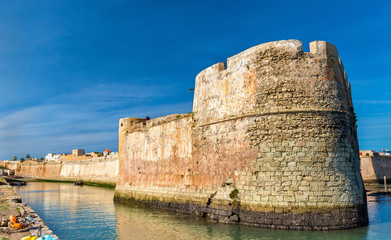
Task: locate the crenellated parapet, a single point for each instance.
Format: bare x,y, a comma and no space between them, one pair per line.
273,77
127,125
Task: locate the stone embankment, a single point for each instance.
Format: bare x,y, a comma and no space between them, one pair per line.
101,170
11,204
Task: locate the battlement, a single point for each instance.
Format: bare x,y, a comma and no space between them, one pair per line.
131,124
128,125
245,58
254,54
244,87
324,48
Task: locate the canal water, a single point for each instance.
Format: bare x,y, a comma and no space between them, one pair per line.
74,212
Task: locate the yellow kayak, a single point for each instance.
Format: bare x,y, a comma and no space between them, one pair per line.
29,238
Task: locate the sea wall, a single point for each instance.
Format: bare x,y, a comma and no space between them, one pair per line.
271,142
374,167
102,170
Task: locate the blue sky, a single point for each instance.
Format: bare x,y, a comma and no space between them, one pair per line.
69,70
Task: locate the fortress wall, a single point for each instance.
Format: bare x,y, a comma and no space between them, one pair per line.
100,170
374,167
156,159
273,144
36,169
159,167
221,152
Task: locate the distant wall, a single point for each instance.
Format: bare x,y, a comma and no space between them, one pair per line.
374,167
99,170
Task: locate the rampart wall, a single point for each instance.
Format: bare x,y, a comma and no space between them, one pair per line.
102,170
271,142
374,167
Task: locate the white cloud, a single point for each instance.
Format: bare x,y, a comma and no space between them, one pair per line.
86,118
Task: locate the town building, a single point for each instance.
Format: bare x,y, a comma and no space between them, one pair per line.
78,152
107,152
385,153
94,154
52,157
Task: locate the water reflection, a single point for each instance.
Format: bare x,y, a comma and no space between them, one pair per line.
73,212
143,223
89,213
379,211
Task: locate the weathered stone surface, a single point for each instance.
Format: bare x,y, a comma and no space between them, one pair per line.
271,142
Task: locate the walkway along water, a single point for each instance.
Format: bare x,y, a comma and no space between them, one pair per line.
18,220
86,212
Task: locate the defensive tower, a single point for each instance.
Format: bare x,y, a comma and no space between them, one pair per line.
271,142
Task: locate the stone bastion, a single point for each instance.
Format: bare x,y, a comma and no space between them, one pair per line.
271,142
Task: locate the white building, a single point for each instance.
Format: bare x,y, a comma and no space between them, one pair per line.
52,157
7,172
107,152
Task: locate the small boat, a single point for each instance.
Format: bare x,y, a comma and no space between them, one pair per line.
79,183
18,183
